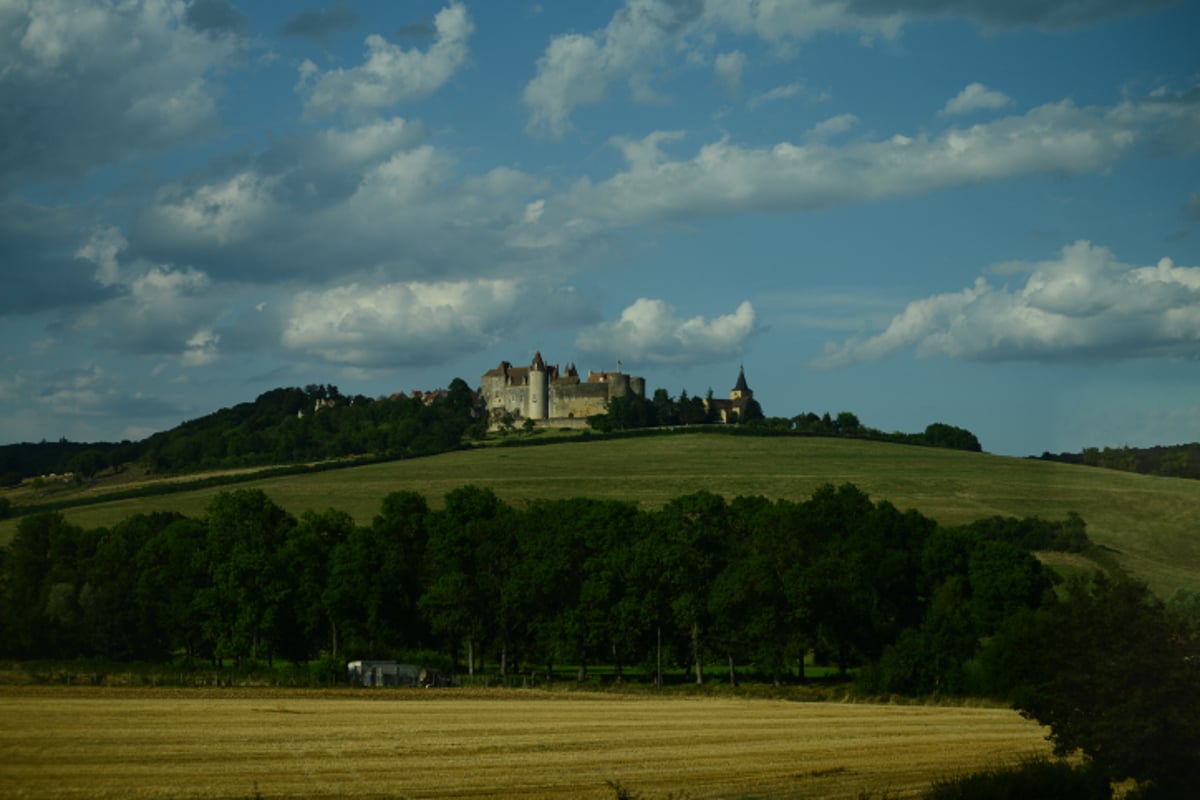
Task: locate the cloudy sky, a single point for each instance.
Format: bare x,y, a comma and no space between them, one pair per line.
985,213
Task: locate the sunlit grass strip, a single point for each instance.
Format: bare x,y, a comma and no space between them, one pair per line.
60,743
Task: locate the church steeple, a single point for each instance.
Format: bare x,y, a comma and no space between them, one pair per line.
740,390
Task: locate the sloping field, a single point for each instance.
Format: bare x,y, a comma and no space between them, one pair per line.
95,743
1151,521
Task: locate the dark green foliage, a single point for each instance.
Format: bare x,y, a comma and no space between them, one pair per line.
1034,779
280,426
1175,461
1114,675
941,435
752,585
1031,533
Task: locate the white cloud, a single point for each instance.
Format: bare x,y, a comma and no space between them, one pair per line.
223,213
1085,305
202,349
649,332
729,68
85,83
390,74
401,323
833,126
726,178
102,249
159,310
578,69
975,97
776,94
364,145
374,199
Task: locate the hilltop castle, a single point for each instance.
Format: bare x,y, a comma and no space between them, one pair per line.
543,393
540,392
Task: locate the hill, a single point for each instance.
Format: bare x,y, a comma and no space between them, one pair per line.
1147,521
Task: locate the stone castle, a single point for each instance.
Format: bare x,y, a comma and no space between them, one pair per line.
543,393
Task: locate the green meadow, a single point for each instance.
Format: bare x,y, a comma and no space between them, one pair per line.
1150,523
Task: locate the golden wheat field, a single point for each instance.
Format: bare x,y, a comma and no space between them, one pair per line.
125,743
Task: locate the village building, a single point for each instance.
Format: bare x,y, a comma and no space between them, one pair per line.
733,409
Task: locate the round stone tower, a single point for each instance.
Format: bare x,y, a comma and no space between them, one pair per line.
539,390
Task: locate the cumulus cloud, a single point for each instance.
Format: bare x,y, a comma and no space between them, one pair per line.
398,324
374,199
650,332
577,69
727,178
1083,306
159,310
975,97
391,74
223,213
87,83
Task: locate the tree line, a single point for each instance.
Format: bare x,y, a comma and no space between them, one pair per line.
1173,461
662,410
749,583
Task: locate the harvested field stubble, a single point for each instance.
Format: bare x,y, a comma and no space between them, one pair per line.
76,743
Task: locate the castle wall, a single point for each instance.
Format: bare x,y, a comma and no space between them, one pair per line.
580,400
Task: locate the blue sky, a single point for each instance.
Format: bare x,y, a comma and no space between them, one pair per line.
984,213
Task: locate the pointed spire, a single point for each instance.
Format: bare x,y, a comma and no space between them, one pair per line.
741,386
538,364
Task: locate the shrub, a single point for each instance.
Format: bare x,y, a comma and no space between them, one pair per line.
1032,779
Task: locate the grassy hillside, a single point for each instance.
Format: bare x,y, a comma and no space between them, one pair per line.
1150,521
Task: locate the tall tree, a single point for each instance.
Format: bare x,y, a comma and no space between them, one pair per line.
1112,674
249,593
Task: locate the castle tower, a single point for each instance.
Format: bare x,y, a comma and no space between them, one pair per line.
539,390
